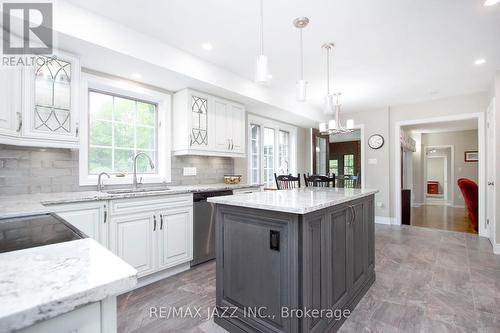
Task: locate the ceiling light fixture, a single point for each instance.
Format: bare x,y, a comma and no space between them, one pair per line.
488,3
261,68
137,76
300,23
207,46
479,61
334,126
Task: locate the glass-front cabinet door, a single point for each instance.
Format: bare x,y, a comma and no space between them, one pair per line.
50,98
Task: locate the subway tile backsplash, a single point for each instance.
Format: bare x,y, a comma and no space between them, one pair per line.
33,170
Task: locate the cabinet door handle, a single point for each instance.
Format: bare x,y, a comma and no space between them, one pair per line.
232,144
105,215
161,221
77,130
228,144
154,219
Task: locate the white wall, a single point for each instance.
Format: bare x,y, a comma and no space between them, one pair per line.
381,175
472,103
497,175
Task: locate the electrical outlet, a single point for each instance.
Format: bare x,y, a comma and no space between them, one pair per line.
189,171
372,161
380,204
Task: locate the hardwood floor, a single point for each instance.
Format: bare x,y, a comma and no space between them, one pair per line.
428,280
441,217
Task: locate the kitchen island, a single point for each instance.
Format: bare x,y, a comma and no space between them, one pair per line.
293,260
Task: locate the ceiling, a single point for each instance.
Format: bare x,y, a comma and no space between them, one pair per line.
388,51
439,127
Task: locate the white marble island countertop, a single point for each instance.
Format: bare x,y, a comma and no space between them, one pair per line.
43,282
296,201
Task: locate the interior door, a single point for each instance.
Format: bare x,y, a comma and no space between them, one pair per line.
320,152
490,172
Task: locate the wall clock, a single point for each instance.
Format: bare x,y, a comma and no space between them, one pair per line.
376,141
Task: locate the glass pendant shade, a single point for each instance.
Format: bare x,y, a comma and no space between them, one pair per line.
301,90
332,124
261,69
329,104
350,124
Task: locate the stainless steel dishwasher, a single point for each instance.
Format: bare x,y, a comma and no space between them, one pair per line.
204,226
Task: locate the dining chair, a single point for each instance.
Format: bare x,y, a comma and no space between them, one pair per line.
319,180
348,181
287,182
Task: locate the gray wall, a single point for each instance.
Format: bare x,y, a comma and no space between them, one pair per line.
33,170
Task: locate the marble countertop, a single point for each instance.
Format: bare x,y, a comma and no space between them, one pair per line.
30,204
296,201
42,282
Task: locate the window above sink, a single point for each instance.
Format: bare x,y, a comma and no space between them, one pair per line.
120,119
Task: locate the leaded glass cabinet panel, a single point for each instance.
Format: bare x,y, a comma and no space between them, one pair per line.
51,100
52,112
199,125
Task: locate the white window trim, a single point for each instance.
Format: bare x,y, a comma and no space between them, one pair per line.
277,126
126,89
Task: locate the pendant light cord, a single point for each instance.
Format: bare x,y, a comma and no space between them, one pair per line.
261,27
328,71
301,56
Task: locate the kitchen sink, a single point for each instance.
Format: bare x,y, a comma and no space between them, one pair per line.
137,190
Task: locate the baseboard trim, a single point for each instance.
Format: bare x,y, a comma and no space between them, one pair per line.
385,220
143,281
496,249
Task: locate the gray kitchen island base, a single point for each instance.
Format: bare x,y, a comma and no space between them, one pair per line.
274,266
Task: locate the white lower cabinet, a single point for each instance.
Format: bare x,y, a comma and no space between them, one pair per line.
175,237
155,235
132,238
86,319
88,217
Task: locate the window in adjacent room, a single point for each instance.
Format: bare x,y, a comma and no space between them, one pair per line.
268,156
272,149
254,154
284,152
334,167
349,164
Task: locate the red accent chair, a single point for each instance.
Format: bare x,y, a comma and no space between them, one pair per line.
470,192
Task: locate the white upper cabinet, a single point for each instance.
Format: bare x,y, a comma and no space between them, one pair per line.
10,102
208,125
40,106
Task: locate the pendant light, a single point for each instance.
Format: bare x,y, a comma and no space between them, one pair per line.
332,105
300,23
261,68
329,98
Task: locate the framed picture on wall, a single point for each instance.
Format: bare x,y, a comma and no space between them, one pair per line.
470,156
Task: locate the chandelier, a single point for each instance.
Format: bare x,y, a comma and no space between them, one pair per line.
332,105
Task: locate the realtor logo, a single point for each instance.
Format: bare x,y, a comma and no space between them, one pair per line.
27,28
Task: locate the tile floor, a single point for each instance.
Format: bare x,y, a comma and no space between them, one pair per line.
427,281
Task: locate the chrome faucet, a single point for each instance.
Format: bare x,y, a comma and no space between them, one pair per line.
100,185
151,164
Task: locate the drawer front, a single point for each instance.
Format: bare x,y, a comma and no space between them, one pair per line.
139,205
